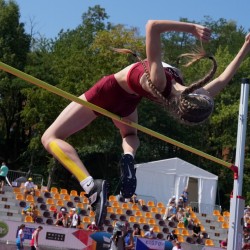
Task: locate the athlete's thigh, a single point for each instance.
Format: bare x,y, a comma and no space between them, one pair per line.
125,129
72,119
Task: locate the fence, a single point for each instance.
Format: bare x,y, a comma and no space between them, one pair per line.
23,176
204,208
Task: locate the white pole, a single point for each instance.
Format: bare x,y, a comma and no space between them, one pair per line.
237,201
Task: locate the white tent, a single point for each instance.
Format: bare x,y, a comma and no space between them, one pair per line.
165,178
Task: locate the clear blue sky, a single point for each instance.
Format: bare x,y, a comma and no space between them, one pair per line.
50,16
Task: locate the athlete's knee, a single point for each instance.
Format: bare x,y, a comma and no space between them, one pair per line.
129,135
46,139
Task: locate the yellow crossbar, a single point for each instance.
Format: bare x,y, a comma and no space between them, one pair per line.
104,112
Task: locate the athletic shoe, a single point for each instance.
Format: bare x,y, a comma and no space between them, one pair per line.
128,178
98,200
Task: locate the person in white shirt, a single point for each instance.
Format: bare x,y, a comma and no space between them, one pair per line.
150,234
74,221
29,188
177,246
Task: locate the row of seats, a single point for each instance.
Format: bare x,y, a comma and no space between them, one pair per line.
54,199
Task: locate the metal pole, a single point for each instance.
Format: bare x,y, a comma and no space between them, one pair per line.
237,201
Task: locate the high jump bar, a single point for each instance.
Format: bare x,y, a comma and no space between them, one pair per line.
104,112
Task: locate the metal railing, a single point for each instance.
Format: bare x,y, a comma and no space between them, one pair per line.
204,208
23,176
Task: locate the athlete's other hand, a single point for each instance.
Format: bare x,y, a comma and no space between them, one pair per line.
202,33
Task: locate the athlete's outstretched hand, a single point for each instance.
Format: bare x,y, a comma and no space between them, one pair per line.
202,33
247,39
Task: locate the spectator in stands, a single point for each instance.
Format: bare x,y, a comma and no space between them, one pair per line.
92,227
129,240
27,210
34,238
171,201
197,231
172,236
150,234
180,215
247,217
185,197
134,199
177,246
29,188
3,174
34,212
186,218
74,218
62,218
137,231
246,238
117,239
180,203
172,213
20,237
223,244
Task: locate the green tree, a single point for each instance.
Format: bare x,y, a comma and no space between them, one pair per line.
14,45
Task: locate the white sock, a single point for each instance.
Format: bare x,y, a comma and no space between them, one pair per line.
87,184
129,153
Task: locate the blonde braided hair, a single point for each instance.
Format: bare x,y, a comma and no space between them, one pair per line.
188,108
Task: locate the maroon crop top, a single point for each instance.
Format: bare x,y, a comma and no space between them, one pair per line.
135,74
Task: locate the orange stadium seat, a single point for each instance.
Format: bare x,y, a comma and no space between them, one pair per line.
80,205
156,229
115,204
132,219
216,212
151,204
220,218
135,207
37,192
52,208
19,197
225,225
154,210
57,196
138,213
119,211
142,220
63,191
28,219
185,232
86,219
226,214
209,242
30,198
50,201
125,206
85,200
148,215
66,197
112,198
180,225
180,238
91,213
151,222
60,203
82,194
16,190
160,205
54,190
73,193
